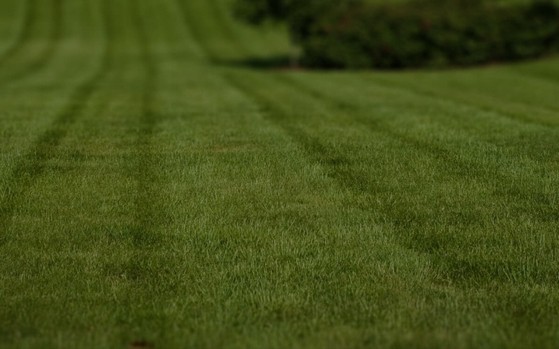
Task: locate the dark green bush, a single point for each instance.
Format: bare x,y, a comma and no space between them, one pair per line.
432,33
301,15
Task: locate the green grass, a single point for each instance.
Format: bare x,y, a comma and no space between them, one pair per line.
152,188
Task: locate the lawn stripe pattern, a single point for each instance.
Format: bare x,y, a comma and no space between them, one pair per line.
160,189
22,33
44,149
53,38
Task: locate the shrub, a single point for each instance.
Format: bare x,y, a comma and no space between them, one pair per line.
432,33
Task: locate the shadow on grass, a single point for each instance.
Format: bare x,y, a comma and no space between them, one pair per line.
279,62
292,63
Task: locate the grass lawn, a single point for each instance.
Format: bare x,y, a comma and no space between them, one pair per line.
157,192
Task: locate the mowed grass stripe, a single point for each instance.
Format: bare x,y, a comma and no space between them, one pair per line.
227,52
449,162
541,116
22,32
25,34
41,58
193,203
30,105
101,247
545,70
451,121
54,39
464,269
452,125
90,194
307,233
334,163
461,271
316,152
489,136
235,45
203,30
140,258
33,165
465,169
144,238
490,119
531,102
146,214
545,210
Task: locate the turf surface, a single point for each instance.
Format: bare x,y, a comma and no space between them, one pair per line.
163,185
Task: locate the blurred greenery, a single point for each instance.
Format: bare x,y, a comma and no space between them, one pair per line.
412,33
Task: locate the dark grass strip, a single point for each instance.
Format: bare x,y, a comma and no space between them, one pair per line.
225,29
342,105
35,163
448,159
44,57
547,73
341,169
197,33
334,165
304,224
518,119
199,37
143,237
317,151
543,152
29,17
148,213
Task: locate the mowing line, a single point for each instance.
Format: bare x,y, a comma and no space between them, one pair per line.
536,157
425,244
196,34
310,145
470,104
34,163
340,104
43,58
142,236
147,215
145,171
335,161
328,158
227,29
549,75
23,32
338,167
462,168
292,133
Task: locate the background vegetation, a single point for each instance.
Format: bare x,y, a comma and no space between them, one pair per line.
398,34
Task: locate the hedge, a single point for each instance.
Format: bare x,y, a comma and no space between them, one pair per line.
436,33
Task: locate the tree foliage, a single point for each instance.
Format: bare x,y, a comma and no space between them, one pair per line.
358,34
